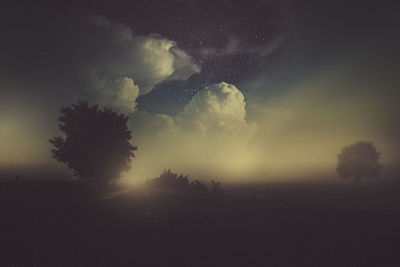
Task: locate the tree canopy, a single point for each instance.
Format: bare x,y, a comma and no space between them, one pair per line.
96,143
359,160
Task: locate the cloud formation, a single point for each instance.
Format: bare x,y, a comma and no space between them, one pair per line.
218,108
116,61
121,93
209,137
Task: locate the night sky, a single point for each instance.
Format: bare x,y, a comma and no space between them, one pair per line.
311,76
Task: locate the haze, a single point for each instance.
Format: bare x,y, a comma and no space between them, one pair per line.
234,104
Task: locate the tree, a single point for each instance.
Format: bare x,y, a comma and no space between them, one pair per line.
359,160
183,181
216,187
198,186
96,145
166,179
171,180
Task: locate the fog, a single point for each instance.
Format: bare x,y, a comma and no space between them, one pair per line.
227,131
223,135
294,136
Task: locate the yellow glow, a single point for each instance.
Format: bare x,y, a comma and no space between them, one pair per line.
291,136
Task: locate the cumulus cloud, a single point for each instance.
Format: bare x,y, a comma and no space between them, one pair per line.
150,60
294,135
209,137
219,108
109,53
121,92
183,65
100,60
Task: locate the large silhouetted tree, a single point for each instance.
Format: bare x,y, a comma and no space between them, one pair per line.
96,145
359,160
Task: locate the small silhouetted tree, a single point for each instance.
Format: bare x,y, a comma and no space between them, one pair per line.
166,179
358,161
171,180
216,187
96,145
182,181
198,186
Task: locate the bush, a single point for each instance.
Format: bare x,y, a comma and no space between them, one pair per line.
216,187
169,179
198,186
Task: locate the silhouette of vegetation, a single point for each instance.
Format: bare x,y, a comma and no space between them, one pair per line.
358,161
216,187
182,181
96,145
170,179
198,186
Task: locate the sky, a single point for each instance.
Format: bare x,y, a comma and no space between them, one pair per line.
239,90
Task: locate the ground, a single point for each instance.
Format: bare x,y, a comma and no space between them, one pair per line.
271,224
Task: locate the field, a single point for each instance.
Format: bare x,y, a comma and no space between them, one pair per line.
68,223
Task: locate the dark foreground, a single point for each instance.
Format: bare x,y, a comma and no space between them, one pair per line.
68,224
